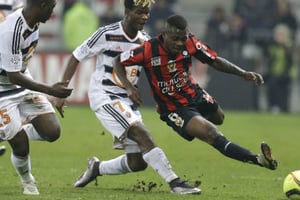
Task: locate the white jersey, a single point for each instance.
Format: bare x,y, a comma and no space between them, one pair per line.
18,42
8,6
106,43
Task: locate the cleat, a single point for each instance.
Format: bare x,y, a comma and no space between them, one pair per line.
265,159
181,187
90,174
30,188
2,150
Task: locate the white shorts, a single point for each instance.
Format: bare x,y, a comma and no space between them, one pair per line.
117,116
20,108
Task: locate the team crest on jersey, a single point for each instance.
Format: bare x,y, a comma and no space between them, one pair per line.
155,61
84,49
185,53
171,66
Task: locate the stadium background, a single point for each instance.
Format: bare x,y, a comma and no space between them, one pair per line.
231,92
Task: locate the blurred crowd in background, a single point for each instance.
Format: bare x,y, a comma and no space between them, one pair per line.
261,35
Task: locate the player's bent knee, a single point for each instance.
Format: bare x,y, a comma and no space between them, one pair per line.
137,166
136,162
51,135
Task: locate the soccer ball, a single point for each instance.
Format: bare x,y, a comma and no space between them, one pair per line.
291,185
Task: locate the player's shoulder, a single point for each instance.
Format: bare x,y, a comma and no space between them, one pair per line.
145,35
110,28
12,21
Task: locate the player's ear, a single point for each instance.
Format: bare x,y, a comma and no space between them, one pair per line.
127,12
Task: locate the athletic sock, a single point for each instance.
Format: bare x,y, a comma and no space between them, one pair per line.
117,165
157,159
23,167
31,133
234,151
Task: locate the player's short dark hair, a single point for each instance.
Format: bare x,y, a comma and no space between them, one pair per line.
177,21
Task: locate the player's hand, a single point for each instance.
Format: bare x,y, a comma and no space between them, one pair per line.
60,105
253,76
60,90
134,95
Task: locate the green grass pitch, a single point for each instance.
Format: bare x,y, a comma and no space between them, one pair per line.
57,165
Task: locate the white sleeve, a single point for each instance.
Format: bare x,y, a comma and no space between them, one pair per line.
10,51
17,4
92,46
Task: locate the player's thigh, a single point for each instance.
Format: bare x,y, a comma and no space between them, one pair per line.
33,105
117,117
10,119
202,129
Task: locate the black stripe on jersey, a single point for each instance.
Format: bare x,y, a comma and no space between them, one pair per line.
27,32
119,118
3,73
123,95
11,92
17,36
33,44
108,82
5,7
108,69
111,53
100,32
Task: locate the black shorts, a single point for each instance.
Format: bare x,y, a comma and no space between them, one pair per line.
203,104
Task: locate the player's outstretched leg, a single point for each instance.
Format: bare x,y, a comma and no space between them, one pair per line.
90,174
265,158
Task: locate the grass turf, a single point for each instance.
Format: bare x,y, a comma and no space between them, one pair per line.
57,165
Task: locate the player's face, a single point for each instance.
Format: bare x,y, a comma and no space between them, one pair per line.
138,17
47,9
174,40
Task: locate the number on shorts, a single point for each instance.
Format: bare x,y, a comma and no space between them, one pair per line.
119,105
5,117
178,121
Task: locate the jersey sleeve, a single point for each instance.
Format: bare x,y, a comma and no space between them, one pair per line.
10,51
17,4
133,57
202,52
90,47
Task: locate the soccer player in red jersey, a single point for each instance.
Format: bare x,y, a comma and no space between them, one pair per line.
182,104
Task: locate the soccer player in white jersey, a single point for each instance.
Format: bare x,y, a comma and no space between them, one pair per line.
109,100
21,97
7,7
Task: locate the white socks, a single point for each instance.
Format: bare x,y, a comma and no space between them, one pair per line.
23,167
114,166
157,159
31,133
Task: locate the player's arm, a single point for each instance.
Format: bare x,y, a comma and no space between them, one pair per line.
70,69
57,90
223,65
67,76
132,92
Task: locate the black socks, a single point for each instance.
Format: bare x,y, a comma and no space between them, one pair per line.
234,151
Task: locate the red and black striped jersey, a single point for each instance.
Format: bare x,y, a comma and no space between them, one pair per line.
169,77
